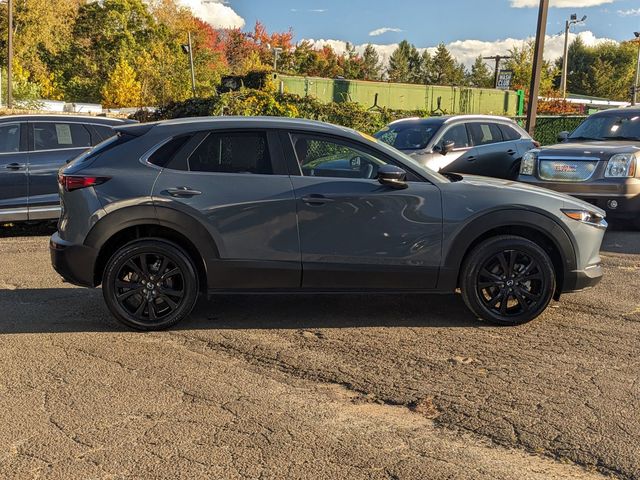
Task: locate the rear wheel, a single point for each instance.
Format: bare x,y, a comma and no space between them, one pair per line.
507,280
150,284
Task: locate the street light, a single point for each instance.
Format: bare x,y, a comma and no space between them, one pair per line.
637,82
565,60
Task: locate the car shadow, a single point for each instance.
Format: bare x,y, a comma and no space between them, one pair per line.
67,310
618,240
8,230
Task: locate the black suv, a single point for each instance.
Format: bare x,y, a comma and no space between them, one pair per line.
32,149
231,205
599,163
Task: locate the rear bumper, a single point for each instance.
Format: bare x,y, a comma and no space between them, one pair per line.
75,263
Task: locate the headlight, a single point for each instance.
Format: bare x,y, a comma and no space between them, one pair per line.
621,165
528,163
585,216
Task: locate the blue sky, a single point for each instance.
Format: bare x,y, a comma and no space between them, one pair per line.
467,27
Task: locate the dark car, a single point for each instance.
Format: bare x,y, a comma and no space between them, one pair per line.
228,205
598,162
32,149
471,144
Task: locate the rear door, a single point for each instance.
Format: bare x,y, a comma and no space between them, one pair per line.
237,184
52,144
494,156
14,188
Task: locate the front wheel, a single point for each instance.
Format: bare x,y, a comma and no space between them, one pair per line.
507,280
150,284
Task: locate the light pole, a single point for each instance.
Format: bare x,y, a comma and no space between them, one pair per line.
276,54
637,81
9,53
188,49
565,59
541,31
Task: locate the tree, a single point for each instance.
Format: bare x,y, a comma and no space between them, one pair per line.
122,88
371,68
399,63
480,76
426,67
521,64
445,69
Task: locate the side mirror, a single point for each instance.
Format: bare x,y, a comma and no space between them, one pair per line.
447,147
562,136
392,176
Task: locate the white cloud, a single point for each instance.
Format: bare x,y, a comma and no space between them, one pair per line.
311,10
383,30
560,3
215,13
466,51
632,12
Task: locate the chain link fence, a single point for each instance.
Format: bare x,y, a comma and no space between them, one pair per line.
548,127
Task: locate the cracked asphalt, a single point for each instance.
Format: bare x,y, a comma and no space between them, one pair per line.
383,387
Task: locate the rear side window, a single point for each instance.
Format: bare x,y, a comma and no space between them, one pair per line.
58,135
167,152
232,153
509,133
101,148
103,132
10,138
484,133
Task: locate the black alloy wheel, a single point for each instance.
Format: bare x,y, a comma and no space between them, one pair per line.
150,284
508,280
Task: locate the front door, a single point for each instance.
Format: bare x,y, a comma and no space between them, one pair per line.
356,233
236,183
14,190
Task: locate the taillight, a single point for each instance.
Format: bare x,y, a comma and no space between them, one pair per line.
75,182
536,144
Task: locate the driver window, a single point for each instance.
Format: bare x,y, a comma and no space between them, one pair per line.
458,135
320,157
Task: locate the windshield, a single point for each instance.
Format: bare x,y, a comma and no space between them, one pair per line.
408,136
623,126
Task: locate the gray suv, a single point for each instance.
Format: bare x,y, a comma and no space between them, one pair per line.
474,144
167,210
32,149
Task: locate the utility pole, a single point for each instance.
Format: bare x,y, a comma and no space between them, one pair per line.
9,54
565,59
188,49
498,59
541,31
637,81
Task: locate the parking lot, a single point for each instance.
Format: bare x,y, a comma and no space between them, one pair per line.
389,387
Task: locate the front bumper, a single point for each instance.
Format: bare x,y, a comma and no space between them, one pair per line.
75,263
578,280
619,197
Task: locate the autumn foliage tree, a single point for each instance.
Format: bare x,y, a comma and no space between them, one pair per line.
122,89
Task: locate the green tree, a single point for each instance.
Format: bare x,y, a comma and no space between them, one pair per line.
445,70
480,75
371,68
122,88
426,67
400,63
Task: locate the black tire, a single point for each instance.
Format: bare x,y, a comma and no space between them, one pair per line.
150,284
514,171
507,280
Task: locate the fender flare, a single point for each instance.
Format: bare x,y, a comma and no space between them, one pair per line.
469,232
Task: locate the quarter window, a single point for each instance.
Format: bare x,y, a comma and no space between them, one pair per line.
104,132
10,138
458,135
164,155
319,157
484,133
232,153
54,136
509,133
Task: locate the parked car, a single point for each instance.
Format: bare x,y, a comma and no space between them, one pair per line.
32,149
599,162
471,144
228,205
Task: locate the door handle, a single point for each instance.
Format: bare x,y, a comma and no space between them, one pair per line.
511,152
316,199
14,166
471,158
183,192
